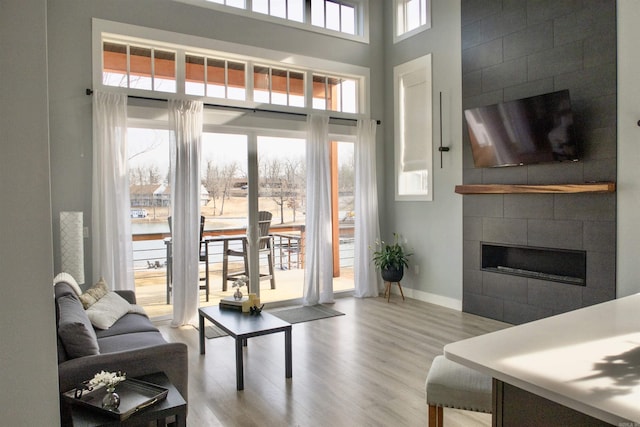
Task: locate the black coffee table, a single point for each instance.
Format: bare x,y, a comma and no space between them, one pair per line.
242,326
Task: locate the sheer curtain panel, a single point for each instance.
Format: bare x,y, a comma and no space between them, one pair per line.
111,225
185,124
318,278
367,230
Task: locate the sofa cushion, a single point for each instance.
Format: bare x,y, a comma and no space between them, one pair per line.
94,294
129,323
107,310
74,328
130,341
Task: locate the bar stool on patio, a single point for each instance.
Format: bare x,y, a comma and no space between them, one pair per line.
265,246
203,256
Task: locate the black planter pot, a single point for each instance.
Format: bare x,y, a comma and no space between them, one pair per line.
392,274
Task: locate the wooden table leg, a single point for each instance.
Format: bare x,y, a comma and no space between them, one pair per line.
399,286
387,290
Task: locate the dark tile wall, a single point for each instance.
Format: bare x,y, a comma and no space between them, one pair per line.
517,48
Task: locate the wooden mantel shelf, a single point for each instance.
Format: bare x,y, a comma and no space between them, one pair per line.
591,187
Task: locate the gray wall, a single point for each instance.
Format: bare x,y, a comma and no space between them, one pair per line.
517,49
28,367
69,36
28,351
433,230
628,269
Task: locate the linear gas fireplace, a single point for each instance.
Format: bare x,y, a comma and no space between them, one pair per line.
556,265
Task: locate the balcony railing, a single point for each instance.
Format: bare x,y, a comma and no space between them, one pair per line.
150,256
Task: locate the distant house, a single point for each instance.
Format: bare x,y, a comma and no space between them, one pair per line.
158,195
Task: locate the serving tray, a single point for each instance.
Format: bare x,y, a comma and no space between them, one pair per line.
135,395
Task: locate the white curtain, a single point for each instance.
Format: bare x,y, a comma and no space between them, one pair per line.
367,279
318,278
185,123
111,225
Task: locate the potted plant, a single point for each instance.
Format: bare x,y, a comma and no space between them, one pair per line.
391,259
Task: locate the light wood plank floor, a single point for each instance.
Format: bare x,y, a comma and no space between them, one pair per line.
367,368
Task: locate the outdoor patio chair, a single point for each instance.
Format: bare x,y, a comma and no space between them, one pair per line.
203,256
265,246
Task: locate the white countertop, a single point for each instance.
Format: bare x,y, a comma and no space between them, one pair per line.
587,359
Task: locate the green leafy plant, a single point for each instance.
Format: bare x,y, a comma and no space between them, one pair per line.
387,256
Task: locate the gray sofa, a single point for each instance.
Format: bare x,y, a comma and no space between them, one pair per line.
131,345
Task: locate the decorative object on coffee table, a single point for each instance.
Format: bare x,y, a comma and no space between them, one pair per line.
243,304
255,309
108,380
238,284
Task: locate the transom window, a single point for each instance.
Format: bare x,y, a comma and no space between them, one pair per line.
152,68
233,3
346,18
412,16
138,67
216,78
333,15
286,9
334,94
278,86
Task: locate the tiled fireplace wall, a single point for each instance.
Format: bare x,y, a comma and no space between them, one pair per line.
517,48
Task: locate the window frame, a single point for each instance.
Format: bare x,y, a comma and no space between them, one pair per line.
399,6
409,70
361,17
184,44
340,4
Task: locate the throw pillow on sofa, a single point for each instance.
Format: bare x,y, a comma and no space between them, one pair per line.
107,310
74,328
94,293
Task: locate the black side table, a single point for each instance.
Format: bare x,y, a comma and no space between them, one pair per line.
173,406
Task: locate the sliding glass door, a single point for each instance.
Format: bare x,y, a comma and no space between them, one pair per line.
242,173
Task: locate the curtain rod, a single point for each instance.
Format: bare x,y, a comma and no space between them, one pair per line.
233,107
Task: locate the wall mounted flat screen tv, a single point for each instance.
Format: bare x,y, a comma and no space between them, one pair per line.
531,130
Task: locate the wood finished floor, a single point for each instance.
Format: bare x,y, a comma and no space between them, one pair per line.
367,368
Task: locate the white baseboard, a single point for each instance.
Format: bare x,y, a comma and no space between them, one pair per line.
448,302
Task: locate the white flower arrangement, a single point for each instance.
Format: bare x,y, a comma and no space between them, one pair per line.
107,379
240,281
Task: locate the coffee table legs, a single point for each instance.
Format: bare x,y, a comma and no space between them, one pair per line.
201,332
242,342
287,353
239,364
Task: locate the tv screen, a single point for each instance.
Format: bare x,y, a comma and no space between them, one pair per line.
531,130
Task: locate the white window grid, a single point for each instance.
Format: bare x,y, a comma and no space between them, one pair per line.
270,96
292,10
344,97
213,91
152,82
353,106
351,15
343,14
411,17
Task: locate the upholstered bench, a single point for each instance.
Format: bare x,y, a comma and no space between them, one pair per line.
452,385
